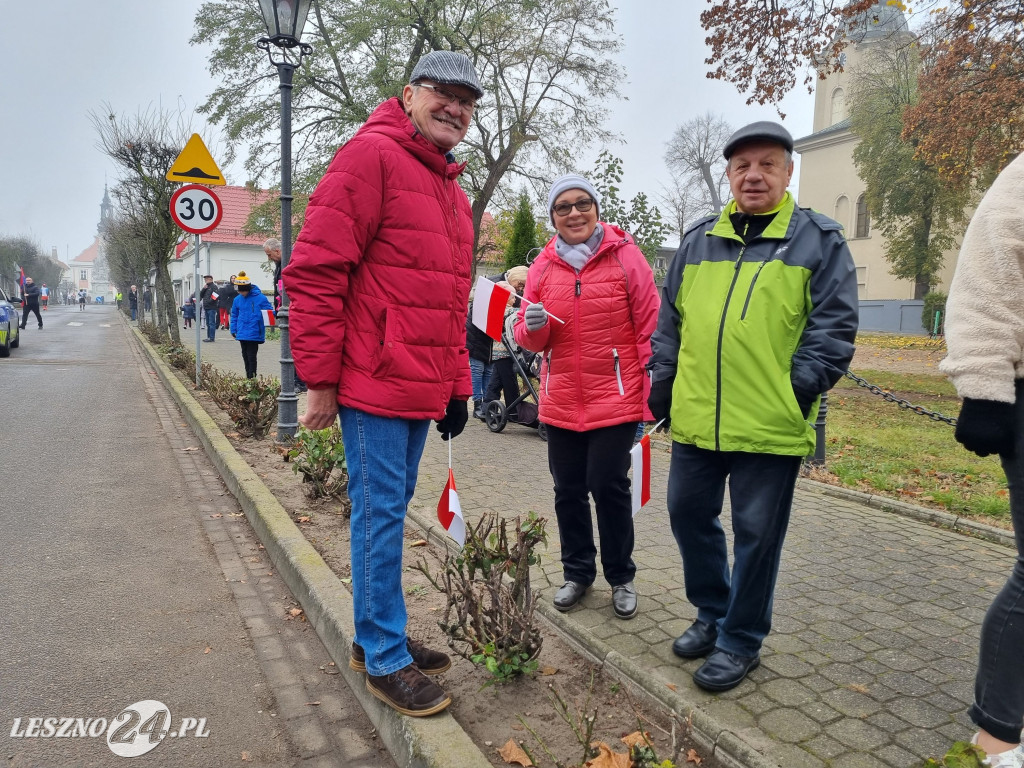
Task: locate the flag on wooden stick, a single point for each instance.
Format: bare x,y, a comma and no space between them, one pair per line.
640,456
269,319
489,302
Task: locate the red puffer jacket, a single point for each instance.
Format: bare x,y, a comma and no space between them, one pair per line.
593,370
378,281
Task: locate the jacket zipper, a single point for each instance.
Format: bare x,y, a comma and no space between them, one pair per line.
750,292
718,361
618,372
547,375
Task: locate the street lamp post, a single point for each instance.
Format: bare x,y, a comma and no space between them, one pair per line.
284,20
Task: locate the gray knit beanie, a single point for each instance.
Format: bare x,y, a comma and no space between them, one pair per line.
571,181
447,67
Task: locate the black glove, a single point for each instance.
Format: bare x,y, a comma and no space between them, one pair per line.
455,417
986,426
660,400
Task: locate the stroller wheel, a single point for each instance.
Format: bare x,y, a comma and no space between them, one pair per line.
542,431
494,416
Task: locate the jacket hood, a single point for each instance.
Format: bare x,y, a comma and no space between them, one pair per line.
253,291
390,119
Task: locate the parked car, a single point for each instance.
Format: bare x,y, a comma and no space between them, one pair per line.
10,338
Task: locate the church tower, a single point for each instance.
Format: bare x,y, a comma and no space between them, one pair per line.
106,212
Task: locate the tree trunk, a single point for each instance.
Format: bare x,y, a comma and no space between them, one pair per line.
716,201
923,278
168,308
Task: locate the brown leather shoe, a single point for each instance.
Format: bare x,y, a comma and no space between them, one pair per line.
430,662
409,691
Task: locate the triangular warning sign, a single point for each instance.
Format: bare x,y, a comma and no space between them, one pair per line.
195,165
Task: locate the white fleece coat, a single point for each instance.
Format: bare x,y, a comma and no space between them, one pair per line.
985,310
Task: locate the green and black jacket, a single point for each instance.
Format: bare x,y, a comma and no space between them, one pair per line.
749,332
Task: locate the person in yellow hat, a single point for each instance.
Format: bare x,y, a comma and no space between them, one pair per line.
247,323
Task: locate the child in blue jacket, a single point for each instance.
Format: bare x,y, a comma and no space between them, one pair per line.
247,320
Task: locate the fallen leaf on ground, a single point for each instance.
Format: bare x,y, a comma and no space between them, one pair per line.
303,518
189,450
608,759
217,515
418,543
294,611
246,757
236,514
672,686
547,671
636,739
312,703
208,649
693,757
512,753
858,687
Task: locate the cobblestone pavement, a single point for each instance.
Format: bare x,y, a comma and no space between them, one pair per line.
872,655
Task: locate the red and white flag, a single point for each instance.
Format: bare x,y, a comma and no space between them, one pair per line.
489,302
640,456
449,511
268,317
215,295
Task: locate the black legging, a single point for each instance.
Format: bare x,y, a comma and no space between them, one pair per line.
503,379
31,308
249,351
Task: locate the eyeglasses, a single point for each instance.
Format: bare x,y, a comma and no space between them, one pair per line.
466,105
563,209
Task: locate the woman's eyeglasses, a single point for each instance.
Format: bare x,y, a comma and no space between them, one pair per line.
466,105
563,209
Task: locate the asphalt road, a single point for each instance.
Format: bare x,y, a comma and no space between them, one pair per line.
127,574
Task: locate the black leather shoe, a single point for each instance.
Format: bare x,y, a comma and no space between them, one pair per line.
724,671
624,600
698,640
569,594
478,409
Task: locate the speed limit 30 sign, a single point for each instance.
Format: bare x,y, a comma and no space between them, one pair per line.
196,209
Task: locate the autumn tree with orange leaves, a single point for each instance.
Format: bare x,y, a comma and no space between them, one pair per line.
967,122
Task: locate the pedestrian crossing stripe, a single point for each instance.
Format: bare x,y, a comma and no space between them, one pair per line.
76,323
196,165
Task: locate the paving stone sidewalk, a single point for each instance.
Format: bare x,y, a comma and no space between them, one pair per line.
872,655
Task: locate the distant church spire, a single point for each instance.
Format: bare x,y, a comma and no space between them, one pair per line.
106,211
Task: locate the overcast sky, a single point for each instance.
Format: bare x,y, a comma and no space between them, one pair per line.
66,58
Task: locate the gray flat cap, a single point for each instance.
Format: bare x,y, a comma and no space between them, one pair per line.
447,67
764,130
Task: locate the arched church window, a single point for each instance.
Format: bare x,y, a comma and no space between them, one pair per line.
863,228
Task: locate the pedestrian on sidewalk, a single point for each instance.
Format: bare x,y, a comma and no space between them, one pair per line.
30,298
147,300
758,319
594,278
224,301
379,287
133,301
82,296
188,311
985,361
272,247
118,298
208,295
44,296
246,321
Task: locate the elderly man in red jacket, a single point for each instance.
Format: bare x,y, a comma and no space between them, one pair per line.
379,286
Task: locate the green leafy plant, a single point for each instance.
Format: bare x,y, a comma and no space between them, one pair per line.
489,615
319,456
961,755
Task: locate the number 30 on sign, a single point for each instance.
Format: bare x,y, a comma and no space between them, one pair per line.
196,209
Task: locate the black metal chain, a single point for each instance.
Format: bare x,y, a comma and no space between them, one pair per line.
934,415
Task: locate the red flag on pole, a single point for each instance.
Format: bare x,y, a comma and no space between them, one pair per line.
640,456
449,511
489,302
269,319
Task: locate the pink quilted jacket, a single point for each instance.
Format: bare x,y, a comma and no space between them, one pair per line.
593,365
378,280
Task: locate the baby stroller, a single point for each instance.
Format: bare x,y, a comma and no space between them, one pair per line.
525,407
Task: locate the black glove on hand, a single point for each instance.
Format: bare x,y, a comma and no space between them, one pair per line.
986,426
660,400
455,417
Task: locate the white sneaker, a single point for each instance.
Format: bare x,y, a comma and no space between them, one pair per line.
1012,759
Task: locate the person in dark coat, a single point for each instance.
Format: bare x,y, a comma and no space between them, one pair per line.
224,302
30,295
147,300
133,301
208,295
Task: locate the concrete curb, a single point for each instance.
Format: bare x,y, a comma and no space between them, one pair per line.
431,742
924,514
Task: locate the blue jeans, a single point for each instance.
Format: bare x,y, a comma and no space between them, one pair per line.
999,686
761,494
212,319
480,373
383,460
134,311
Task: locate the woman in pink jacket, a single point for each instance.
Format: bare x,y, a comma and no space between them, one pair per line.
591,277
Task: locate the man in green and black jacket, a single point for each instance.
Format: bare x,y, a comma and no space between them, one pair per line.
758,319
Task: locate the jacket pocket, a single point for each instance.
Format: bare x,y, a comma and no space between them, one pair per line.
618,372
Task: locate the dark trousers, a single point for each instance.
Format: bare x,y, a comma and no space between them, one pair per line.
503,379
211,316
999,686
761,496
593,463
25,312
249,352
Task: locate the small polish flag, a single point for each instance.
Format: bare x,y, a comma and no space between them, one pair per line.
489,302
449,511
268,317
640,456
215,295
